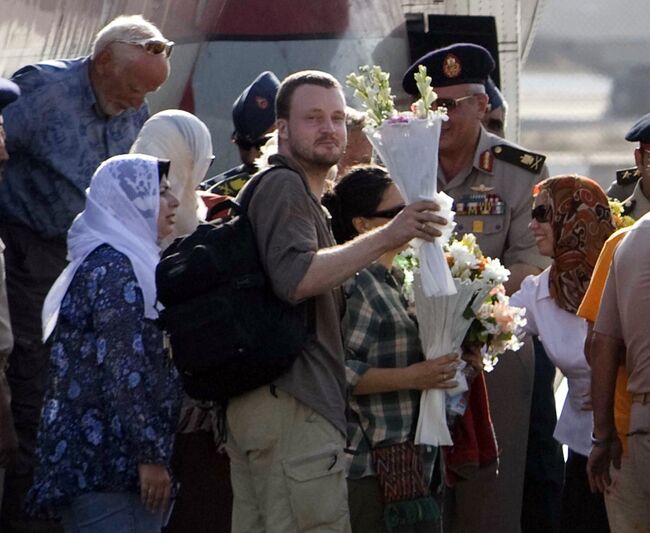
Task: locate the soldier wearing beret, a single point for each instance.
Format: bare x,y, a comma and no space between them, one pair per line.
490,180
253,115
9,91
632,185
495,118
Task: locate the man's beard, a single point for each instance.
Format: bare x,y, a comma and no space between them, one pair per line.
314,159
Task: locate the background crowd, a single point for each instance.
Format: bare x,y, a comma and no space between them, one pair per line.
95,432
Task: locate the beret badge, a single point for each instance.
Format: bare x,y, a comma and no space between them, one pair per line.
451,67
261,102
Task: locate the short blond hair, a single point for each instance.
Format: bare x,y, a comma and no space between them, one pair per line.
125,28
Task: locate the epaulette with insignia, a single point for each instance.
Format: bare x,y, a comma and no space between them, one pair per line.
529,161
231,185
628,207
627,176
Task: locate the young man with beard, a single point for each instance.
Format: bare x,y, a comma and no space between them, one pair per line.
286,440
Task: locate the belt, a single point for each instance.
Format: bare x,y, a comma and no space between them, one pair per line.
642,398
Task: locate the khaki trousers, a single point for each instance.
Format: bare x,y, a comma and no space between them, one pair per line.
287,466
627,506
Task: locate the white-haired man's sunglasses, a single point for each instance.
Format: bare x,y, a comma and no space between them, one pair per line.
152,46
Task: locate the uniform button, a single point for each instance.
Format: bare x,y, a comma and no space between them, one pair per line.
498,226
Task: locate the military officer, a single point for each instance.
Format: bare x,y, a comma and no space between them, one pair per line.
495,118
491,181
253,115
627,187
637,203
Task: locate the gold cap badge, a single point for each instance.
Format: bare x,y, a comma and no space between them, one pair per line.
451,67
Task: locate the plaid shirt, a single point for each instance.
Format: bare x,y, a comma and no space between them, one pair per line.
378,333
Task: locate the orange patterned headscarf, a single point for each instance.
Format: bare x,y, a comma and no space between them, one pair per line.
581,222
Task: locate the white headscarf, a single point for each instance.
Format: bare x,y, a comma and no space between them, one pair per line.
122,207
184,140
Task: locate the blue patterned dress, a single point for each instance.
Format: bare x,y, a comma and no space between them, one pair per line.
113,396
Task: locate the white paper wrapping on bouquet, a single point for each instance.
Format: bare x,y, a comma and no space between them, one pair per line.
442,330
409,150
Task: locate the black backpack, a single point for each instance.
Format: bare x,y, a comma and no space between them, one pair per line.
229,332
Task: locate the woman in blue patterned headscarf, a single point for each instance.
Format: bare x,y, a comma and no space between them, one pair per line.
111,407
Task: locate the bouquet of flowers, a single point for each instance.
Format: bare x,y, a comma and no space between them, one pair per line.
407,144
620,220
478,313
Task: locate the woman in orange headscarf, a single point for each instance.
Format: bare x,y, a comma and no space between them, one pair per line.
571,220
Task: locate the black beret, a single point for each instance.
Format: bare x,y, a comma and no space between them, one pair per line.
9,91
454,65
640,132
254,110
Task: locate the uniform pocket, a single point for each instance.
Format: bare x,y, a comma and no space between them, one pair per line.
478,224
317,487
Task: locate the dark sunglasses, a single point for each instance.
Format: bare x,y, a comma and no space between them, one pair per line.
542,213
450,103
245,144
387,213
152,46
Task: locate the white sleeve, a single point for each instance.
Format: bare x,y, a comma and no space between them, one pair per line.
525,297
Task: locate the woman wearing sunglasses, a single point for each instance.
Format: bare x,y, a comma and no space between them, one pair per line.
571,220
384,361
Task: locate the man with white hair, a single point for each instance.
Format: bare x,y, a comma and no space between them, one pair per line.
73,114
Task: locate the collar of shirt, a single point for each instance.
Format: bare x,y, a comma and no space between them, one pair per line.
639,196
87,92
485,142
292,164
543,291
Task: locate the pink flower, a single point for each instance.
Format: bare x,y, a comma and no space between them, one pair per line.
499,289
502,314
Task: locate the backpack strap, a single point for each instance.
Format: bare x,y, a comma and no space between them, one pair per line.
249,189
246,197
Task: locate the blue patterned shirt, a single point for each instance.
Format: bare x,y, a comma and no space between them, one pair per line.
113,396
379,333
56,140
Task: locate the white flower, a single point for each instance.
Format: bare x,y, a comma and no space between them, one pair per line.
495,273
463,260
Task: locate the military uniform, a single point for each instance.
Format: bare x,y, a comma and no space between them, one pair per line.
637,204
623,186
253,115
493,200
500,182
230,182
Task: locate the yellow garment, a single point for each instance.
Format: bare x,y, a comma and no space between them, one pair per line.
589,311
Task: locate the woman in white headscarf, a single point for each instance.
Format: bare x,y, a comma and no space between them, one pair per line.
184,140
199,465
107,425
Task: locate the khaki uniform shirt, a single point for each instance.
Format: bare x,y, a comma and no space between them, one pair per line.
505,235
626,301
637,204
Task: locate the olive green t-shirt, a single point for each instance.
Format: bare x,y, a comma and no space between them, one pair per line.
290,225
